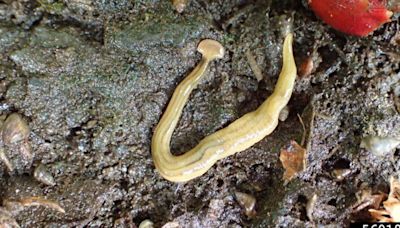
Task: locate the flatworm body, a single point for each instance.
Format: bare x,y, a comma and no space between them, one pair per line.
238,136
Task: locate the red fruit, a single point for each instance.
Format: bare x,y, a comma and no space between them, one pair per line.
355,17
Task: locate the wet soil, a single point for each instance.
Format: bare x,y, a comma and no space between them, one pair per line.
92,79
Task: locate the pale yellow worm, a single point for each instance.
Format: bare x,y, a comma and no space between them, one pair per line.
238,136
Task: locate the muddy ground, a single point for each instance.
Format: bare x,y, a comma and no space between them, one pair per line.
92,79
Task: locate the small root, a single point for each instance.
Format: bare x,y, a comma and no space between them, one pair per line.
34,201
323,116
303,137
254,66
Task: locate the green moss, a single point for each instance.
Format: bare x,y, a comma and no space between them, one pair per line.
9,36
229,38
50,38
167,31
53,8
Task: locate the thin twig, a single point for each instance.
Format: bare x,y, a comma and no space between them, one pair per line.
303,137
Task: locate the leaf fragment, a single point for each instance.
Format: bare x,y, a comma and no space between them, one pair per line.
391,207
293,160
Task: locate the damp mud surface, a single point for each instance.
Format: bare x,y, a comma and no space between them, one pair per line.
92,79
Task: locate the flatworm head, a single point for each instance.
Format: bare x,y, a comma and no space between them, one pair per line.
211,49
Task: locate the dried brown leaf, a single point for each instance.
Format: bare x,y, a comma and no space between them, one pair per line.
293,160
368,200
391,207
306,67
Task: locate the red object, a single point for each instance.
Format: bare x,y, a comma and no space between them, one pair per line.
355,17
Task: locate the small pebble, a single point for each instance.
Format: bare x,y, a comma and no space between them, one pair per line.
6,219
43,175
378,145
248,202
146,224
15,129
91,124
284,114
340,174
171,225
180,5
310,206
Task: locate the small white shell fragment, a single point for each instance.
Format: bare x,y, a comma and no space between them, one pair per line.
341,174
378,145
171,225
310,207
43,175
248,202
146,224
284,114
